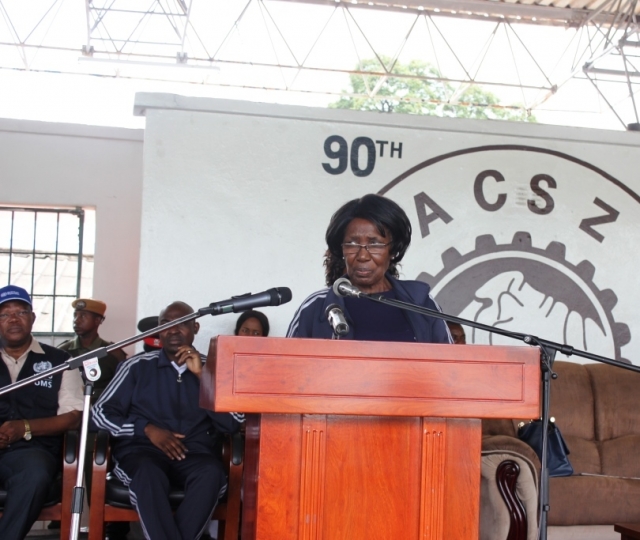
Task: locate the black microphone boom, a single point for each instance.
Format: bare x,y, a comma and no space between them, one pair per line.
244,302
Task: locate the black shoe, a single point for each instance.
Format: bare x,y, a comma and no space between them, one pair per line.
117,530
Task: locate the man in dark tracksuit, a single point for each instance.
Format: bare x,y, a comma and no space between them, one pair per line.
161,434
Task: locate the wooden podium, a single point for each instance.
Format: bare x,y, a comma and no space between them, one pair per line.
365,440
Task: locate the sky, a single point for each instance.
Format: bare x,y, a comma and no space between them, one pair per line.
92,95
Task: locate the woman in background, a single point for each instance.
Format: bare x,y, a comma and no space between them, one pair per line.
252,323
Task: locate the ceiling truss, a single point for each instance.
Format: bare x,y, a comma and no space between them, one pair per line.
265,44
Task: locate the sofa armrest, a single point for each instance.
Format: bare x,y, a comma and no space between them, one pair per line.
509,496
512,445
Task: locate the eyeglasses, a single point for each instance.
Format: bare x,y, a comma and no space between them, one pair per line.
351,248
22,314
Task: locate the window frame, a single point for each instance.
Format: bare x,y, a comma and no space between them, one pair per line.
34,253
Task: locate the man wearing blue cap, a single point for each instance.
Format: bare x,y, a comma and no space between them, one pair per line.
33,417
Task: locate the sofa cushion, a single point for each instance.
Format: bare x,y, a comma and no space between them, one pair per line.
617,401
593,500
620,456
583,455
572,401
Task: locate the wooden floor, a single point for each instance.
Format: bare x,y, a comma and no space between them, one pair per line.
555,533
40,532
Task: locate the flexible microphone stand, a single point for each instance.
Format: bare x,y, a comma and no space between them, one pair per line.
548,351
91,373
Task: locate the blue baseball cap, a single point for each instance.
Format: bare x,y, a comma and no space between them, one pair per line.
14,293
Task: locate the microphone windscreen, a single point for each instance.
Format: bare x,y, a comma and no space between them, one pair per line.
337,283
280,295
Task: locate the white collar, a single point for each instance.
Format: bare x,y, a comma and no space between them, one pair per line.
180,369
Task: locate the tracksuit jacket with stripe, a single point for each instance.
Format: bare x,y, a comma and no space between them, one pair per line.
147,389
310,320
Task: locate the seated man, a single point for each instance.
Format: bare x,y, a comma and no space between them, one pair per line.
32,417
88,315
457,333
161,435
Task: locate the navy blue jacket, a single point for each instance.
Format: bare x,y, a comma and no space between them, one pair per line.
146,390
310,320
38,400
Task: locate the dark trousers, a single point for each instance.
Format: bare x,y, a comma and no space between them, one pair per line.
27,474
149,475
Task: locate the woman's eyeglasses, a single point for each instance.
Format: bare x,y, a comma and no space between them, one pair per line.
351,248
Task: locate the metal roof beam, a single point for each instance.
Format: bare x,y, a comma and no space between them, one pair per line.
483,10
613,72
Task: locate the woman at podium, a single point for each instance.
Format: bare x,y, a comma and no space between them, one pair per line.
366,240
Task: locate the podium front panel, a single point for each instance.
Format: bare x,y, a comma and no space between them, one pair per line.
365,440
278,375
341,477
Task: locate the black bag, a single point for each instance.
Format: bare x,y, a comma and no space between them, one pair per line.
557,452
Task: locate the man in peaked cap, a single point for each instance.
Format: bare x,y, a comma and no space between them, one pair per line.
32,417
88,315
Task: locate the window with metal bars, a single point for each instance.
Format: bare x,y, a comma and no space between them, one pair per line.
45,251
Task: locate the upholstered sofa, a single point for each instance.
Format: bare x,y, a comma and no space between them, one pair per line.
597,408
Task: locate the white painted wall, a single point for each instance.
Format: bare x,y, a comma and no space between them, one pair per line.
72,165
236,199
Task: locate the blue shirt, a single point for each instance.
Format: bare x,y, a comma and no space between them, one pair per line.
373,321
310,320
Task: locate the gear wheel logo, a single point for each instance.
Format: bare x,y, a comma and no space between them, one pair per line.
507,285
529,239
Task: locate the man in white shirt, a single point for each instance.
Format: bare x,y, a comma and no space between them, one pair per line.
33,417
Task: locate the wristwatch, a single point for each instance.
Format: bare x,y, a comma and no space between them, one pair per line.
27,431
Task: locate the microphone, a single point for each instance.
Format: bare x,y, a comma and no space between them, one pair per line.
244,302
335,316
343,287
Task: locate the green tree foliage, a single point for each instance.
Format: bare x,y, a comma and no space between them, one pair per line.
421,92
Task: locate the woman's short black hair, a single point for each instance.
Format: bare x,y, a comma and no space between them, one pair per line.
385,214
264,322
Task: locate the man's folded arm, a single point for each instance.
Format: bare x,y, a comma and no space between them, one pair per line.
14,430
55,425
